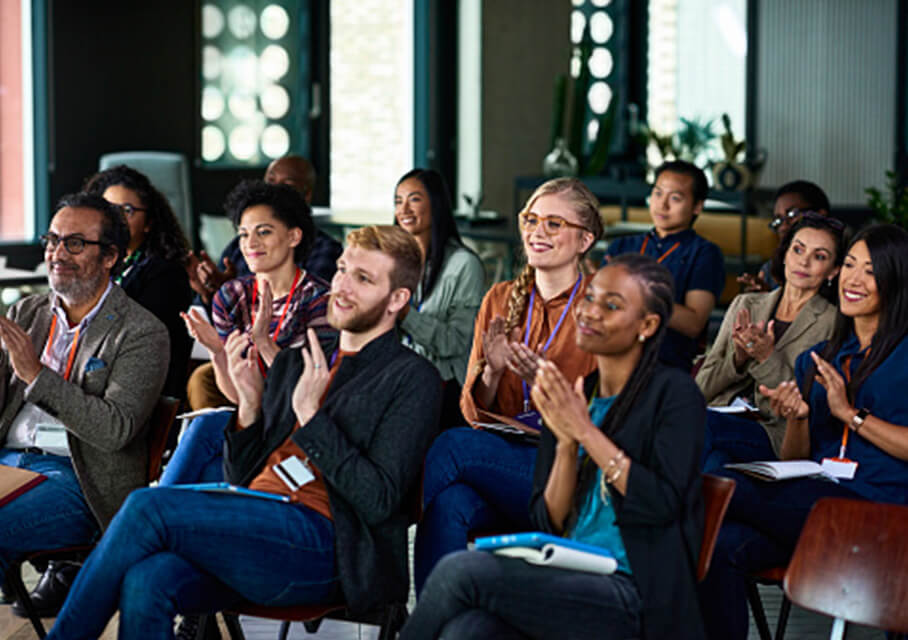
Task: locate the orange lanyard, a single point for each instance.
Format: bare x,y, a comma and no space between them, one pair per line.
255,290
72,347
664,255
846,371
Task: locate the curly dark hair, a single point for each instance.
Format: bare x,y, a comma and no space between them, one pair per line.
286,203
114,230
165,238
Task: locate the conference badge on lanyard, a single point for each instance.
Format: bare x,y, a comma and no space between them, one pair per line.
841,466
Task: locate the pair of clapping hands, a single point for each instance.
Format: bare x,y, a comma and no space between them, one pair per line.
247,378
752,339
203,331
786,400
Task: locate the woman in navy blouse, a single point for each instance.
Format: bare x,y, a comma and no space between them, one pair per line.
847,405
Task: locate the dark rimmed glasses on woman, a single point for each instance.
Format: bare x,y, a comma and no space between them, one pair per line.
129,210
551,225
73,244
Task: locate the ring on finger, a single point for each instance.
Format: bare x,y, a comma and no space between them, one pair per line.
749,345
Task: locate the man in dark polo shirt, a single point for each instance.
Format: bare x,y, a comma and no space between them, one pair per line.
695,263
339,429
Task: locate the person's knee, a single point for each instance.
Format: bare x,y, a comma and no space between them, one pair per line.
444,460
457,573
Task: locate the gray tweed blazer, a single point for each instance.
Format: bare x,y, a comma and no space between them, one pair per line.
117,376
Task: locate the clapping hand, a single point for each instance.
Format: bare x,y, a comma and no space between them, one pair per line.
263,315
524,361
563,406
752,340
786,401
202,330
21,350
496,345
752,283
309,389
204,276
243,368
836,392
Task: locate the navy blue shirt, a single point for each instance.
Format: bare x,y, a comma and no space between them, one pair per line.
880,476
696,265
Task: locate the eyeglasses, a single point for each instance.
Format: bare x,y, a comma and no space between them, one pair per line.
552,225
73,244
778,221
129,210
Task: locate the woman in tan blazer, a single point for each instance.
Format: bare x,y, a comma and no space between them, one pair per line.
761,336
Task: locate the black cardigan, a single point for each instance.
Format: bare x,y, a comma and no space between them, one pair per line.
162,287
369,440
661,516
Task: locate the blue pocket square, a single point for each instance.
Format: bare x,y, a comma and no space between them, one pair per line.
94,363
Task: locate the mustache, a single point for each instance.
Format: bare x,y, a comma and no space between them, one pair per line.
62,263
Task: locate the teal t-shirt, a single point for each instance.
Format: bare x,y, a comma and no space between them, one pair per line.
596,521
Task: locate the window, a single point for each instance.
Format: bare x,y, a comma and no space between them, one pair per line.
255,80
16,185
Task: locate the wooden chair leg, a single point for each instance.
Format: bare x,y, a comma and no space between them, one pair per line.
20,593
312,626
782,622
756,607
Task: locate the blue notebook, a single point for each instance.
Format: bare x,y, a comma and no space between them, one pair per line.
548,550
226,487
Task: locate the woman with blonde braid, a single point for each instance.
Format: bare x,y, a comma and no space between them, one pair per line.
475,479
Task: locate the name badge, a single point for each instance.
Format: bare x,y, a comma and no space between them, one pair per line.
840,467
293,472
51,438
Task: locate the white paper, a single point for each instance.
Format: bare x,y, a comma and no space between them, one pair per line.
738,405
783,469
840,468
552,555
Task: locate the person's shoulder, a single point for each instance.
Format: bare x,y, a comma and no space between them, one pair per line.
133,314
27,307
704,246
625,244
458,255
316,283
673,380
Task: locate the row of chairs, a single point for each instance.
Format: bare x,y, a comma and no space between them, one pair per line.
851,562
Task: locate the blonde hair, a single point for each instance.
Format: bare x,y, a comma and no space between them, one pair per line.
586,206
396,243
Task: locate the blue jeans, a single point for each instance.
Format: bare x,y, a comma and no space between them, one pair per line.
50,515
730,438
474,480
199,456
172,551
474,594
760,531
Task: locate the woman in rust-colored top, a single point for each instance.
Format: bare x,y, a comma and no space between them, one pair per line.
481,480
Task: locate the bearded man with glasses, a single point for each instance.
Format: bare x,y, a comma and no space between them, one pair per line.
81,368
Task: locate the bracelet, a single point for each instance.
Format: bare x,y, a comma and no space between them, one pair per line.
614,463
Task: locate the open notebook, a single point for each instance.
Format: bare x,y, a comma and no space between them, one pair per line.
548,550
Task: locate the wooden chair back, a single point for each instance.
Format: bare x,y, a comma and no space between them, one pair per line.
159,425
851,563
717,492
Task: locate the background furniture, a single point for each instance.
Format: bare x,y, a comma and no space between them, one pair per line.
168,172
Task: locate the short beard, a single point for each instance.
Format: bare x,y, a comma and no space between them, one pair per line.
362,321
77,290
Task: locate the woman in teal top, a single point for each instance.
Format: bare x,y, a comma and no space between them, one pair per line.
618,467
438,324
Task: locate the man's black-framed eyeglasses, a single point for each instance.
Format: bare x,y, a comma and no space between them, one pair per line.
778,221
73,244
129,210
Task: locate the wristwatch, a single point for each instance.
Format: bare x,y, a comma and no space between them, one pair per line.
858,420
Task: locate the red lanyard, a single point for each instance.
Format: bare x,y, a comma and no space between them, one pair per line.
72,347
255,290
664,255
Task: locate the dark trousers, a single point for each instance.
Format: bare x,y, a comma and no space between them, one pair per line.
475,594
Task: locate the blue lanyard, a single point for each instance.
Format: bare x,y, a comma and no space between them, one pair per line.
545,347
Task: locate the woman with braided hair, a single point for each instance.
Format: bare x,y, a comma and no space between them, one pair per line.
476,480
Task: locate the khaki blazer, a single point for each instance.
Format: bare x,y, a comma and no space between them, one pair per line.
117,376
720,382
